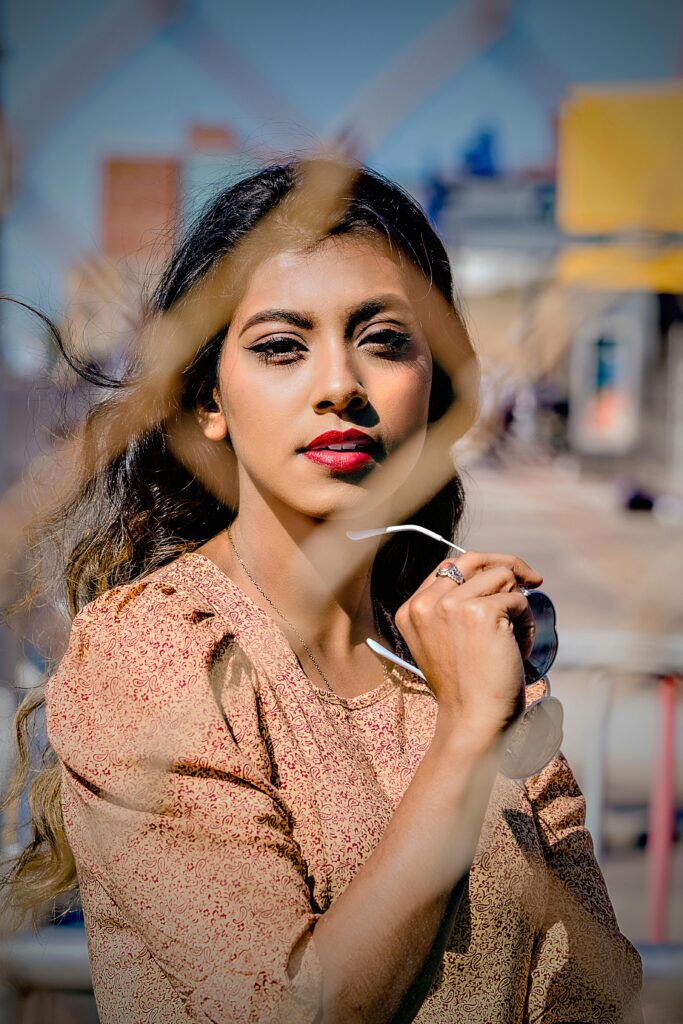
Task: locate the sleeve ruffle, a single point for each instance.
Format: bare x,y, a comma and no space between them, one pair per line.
583,968
169,801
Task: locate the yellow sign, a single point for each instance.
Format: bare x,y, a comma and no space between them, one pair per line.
622,268
620,161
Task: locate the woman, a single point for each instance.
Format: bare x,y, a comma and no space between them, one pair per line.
267,823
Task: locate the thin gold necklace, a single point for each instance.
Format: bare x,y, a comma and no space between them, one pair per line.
284,618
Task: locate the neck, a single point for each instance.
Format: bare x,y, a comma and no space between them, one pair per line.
309,569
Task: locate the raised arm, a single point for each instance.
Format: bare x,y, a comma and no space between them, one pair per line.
200,855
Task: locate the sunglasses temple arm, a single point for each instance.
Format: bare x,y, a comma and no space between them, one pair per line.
390,656
408,528
379,532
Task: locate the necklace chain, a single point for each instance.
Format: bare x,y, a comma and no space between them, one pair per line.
284,618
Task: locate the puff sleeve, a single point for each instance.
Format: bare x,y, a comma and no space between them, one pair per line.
583,969
169,802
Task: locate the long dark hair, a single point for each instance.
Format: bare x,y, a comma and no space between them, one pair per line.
142,507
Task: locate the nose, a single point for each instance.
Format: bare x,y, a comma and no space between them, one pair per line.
338,387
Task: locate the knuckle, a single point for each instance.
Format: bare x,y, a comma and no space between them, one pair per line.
473,610
508,578
420,609
402,616
448,606
510,561
472,558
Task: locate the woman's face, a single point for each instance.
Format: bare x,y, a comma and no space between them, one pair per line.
325,371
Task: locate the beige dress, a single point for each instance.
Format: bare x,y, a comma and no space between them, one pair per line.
217,802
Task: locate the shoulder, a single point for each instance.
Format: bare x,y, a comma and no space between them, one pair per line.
156,619
148,660
557,802
170,589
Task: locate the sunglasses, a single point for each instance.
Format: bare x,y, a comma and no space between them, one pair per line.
535,738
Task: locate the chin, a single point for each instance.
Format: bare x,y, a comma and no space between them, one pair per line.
345,501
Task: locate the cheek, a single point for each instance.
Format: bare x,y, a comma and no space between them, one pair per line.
243,408
260,407
405,397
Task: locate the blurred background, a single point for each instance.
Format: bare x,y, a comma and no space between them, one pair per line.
545,141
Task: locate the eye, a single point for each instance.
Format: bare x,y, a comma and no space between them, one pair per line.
278,350
387,342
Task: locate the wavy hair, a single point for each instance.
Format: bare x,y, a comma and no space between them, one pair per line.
143,507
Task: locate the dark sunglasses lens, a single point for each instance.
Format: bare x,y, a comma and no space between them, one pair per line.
545,642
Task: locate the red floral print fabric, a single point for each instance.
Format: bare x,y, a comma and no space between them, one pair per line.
217,802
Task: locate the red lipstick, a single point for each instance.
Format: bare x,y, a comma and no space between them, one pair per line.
343,451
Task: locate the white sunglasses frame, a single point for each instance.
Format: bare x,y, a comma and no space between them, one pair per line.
512,772
380,531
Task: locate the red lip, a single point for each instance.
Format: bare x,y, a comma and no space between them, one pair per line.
357,437
340,462
347,461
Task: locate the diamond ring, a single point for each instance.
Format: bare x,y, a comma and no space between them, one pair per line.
451,570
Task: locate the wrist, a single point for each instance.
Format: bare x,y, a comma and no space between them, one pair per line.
462,738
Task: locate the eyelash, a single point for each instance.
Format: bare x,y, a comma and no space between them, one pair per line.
273,350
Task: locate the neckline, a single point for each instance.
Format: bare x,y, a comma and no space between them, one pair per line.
395,676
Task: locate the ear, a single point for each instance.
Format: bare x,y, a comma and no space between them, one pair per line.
211,419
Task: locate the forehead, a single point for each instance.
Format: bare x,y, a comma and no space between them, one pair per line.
338,272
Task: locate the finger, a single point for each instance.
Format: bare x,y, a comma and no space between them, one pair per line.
476,561
433,578
495,580
515,608
491,592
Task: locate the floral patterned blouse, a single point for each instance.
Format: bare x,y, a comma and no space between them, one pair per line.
217,802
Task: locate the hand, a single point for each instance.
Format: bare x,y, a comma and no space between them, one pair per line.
469,639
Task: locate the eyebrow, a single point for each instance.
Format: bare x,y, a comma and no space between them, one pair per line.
362,314
286,316
358,316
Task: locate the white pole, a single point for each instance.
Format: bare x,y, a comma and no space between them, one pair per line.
599,701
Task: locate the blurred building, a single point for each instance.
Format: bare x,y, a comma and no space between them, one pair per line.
145,203
577,309
561,208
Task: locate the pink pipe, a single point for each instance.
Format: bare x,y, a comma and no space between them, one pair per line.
662,811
